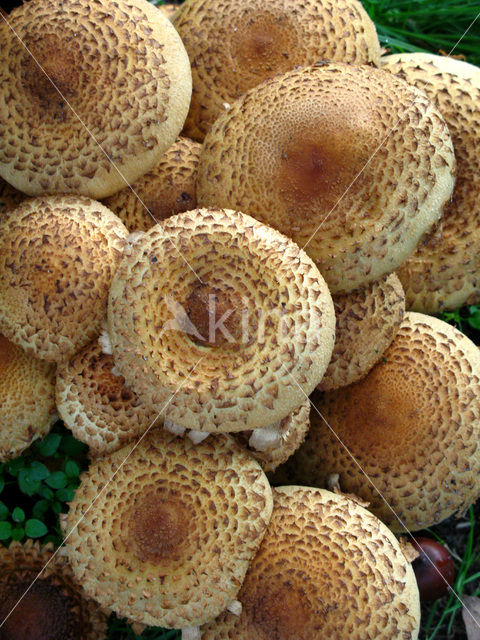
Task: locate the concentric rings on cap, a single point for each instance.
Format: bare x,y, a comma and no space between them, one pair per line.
58,255
220,320
169,541
327,568
351,162
91,94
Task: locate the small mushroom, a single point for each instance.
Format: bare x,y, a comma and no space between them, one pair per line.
174,528
331,155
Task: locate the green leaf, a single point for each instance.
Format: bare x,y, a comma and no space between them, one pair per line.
5,530
2,484
49,445
35,528
57,480
57,507
14,466
72,469
65,495
18,515
474,319
45,492
18,533
38,470
40,508
26,483
4,511
73,447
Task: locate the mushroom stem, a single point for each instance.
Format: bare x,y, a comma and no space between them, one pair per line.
173,427
197,436
235,607
267,438
104,341
191,633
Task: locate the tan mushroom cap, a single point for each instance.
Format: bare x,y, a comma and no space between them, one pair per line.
55,606
221,321
234,46
170,540
95,403
110,97
167,189
9,197
169,9
351,162
367,320
444,273
292,429
58,255
27,399
412,426
327,568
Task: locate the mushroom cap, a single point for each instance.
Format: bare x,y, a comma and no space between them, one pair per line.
327,568
367,320
27,399
57,259
96,404
167,189
205,268
9,197
55,606
89,99
293,429
444,273
234,46
412,427
168,9
351,162
170,542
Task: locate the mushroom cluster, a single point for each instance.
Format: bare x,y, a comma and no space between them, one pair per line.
239,303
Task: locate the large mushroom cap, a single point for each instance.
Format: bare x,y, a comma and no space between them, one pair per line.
91,94
351,162
327,568
234,46
367,320
444,273
54,607
411,427
167,189
169,541
27,399
57,259
95,403
221,317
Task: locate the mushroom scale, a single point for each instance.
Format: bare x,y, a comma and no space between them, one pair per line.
58,255
95,404
350,162
411,427
444,272
169,541
91,94
327,568
54,607
167,189
367,321
27,399
234,46
232,343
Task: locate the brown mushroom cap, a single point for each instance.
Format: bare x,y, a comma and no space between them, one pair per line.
110,91
169,9
179,280
167,189
27,399
367,320
351,162
327,568
444,273
95,403
55,606
57,259
169,542
9,197
412,426
234,46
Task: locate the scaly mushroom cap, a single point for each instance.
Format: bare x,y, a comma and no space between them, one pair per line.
444,273
55,606
57,259
9,197
220,320
327,568
292,430
95,403
169,541
168,9
167,189
234,46
367,320
91,94
27,399
351,162
412,426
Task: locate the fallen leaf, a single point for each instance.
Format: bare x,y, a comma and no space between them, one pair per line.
471,616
